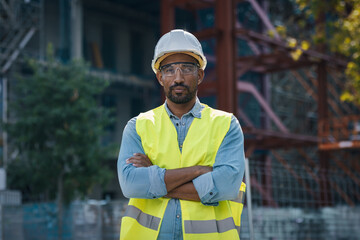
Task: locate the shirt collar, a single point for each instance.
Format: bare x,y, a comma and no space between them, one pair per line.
195,111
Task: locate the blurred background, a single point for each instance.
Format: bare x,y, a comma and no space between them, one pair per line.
73,72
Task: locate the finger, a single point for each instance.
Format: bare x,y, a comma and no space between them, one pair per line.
143,158
137,162
139,154
130,160
138,158
133,160
138,165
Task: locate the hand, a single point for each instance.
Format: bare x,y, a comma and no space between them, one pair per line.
139,160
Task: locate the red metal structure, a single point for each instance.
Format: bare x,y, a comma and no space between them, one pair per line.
273,55
225,83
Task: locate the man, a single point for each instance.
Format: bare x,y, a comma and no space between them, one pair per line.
182,162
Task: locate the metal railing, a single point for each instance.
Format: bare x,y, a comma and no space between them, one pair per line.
289,201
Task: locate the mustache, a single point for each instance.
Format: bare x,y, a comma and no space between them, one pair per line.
179,85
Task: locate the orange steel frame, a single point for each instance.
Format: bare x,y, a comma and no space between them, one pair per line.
225,84
224,81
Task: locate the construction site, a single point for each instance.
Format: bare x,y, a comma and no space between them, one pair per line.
302,143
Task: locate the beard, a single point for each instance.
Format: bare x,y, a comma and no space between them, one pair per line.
181,99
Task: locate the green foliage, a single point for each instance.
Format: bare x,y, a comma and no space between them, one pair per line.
57,130
341,34
346,41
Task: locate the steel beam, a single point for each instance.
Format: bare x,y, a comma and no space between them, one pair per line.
264,18
280,45
225,53
76,28
8,10
343,194
248,87
17,51
167,16
339,145
206,33
245,118
266,139
193,4
324,156
347,171
322,91
305,85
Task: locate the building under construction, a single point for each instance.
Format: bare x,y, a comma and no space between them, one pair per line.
302,143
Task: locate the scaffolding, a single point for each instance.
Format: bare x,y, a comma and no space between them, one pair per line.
19,22
301,140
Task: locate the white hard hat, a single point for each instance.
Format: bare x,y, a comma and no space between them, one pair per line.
178,41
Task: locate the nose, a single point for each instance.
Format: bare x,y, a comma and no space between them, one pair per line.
178,78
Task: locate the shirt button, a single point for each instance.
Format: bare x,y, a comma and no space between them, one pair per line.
183,124
181,146
177,124
178,216
211,193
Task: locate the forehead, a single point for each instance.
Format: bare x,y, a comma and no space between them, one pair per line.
178,57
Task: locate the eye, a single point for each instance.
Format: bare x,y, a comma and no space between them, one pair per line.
169,70
187,68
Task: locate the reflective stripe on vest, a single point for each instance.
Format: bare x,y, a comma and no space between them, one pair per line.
237,206
144,219
209,226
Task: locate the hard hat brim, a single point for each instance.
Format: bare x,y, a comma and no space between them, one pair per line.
156,64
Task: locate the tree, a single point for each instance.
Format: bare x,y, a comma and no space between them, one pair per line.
56,130
342,36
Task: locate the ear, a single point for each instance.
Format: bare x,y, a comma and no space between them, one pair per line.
201,75
159,78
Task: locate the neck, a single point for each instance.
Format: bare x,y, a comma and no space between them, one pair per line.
180,109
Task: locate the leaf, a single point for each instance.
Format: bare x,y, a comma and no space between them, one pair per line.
281,30
271,33
346,97
291,42
296,54
305,45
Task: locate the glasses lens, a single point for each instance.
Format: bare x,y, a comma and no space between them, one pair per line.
168,70
186,68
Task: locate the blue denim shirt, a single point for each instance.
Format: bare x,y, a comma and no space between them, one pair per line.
220,184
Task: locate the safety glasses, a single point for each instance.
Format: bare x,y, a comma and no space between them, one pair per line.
186,68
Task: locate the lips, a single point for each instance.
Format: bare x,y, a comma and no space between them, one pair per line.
179,89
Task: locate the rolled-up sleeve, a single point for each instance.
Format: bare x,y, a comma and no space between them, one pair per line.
143,182
223,183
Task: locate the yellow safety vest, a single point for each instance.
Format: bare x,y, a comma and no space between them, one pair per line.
158,135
